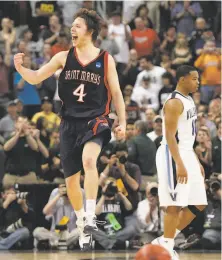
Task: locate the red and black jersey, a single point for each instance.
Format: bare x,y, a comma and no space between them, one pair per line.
84,89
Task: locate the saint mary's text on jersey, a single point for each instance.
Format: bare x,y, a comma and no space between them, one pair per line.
82,76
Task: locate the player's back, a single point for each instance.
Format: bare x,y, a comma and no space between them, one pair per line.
83,89
186,130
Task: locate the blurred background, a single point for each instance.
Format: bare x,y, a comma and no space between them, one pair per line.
148,40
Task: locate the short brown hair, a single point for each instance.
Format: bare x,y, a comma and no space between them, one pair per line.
92,19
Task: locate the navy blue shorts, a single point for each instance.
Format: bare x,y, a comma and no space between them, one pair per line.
74,133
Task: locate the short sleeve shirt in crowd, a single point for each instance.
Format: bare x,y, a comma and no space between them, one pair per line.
112,213
145,41
155,75
118,32
28,94
21,159
134,171
52,120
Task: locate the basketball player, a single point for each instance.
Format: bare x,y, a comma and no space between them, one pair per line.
86,84
181,176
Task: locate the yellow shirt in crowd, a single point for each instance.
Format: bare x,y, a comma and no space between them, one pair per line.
52,120
210,64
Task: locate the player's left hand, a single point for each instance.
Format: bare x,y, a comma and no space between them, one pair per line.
120,132
202,171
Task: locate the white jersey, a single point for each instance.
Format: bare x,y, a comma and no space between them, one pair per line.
186,131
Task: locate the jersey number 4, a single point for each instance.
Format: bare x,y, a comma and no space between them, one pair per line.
79,92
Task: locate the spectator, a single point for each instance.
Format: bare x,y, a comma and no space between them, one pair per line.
204,150
203,120
145,96
132,69
50,34
129,131
7,123
150,114
121,33
169,41
59,210
149,70
44,10
7,33
107,43
127,174
22,47
142,12
211,238
16,219
181,53
33,47
166,63
216,150
110,210
196,36
184,15
20,148
148,214
27,93
52,120
45,55
132,108
4,76
42,155
166,90
63,43
207,35
157,126
210,63
68,8
215,108
20,107
145,40
142,151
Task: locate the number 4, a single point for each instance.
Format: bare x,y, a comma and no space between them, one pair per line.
79,92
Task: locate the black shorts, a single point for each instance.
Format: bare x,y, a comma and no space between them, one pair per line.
74,133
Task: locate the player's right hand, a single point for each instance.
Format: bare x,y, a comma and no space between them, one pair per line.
182,175
18,60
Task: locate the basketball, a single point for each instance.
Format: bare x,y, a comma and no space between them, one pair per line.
152,252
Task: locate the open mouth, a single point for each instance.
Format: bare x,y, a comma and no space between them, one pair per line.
74,38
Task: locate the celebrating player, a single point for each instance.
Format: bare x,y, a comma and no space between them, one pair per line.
87,83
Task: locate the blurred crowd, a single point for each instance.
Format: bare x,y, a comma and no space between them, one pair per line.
148,40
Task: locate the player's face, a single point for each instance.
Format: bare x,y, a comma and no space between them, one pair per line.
191,81
80,32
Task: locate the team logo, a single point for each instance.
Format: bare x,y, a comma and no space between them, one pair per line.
98,64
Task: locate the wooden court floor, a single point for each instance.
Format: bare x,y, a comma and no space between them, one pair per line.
95,256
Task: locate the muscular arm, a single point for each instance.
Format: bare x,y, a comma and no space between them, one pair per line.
173,107
116,93
36,76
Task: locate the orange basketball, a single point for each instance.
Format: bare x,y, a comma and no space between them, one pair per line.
152,252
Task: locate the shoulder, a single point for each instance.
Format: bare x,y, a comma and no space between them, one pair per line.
173,105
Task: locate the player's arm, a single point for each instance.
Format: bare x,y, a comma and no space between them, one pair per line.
172,111
116,93
36,76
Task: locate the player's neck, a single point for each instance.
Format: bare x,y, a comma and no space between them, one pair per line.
182,91
89,47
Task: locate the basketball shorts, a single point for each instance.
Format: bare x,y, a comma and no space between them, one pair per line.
74,134
172,193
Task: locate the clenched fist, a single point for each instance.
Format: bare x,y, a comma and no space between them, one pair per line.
18,60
